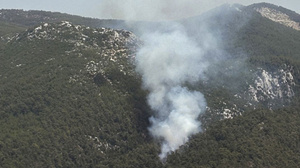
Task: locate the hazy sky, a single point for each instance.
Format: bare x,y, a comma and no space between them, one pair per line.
134,9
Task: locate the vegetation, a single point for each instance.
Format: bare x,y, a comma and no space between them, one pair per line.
33,18
260,138
55,112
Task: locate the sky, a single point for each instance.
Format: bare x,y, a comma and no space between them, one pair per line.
134,9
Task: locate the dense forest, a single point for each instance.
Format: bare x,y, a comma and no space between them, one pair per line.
70,96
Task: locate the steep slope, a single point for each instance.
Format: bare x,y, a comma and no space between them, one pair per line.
7,30
278,14
261,72
257,63
70,96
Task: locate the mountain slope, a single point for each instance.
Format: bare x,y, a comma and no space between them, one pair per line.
71,89
258,61
33,18
70,96
278,14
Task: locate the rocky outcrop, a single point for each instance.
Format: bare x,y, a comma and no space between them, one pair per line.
269,89
273,88
275,85
278,17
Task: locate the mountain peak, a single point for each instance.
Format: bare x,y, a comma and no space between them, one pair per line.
278,14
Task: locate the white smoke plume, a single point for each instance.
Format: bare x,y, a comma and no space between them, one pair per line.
167,61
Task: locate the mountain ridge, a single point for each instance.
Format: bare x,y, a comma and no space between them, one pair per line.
278,14
70,97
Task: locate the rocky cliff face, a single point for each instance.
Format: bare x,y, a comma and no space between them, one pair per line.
273,88
268,89
278,17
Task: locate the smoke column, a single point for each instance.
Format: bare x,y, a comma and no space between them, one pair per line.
167,61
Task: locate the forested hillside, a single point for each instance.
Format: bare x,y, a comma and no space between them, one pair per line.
70,95
34,17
